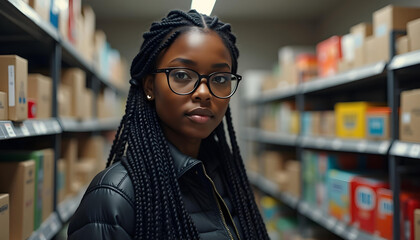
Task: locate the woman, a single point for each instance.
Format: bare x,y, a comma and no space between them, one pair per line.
171,173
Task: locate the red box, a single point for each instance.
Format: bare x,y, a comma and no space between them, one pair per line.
364,201
384,214
328,53
31,108
408,217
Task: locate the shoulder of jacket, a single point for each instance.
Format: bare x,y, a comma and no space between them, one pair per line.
116,179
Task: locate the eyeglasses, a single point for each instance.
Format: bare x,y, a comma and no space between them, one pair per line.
184,81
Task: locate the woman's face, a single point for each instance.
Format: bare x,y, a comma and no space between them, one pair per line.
194,116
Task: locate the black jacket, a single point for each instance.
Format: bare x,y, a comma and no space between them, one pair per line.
107,209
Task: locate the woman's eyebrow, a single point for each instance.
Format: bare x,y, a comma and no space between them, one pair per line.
220,65
192,63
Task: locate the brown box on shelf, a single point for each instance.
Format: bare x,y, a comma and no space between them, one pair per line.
40,89
93,148
48,184
42,7
69,153
64,101
85,170
273,162
75,78
4,216
293,173
3,106
417,224
360,32
316,123
63,20
13,81
89,31
88,104
391,18
376,49
327,124
402,45
413,32
18,179
410,116
61,180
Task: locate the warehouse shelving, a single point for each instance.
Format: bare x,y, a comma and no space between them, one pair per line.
314,213
26,34
388,76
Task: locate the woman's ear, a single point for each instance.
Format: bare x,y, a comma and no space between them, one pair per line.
149,87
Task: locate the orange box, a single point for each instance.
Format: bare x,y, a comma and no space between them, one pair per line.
364,201
384,214
328,54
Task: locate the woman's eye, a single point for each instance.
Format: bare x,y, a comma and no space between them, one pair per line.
182,76
220,79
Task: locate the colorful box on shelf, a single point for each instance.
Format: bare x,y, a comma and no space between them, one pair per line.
4,216
351,119
339,194
384,214
328,54
307,66
364,201
32,108
378,123
18,179
13,81
410,116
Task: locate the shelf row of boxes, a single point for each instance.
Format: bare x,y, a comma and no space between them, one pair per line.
24,95
76,24
366,43
352,188
27,183
351,120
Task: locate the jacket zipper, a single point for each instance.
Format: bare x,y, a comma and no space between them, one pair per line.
220,209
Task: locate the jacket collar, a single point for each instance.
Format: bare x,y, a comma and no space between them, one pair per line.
183,163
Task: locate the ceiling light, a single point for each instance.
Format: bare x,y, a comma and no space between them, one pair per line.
203,6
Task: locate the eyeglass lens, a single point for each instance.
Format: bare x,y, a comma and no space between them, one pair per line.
183,81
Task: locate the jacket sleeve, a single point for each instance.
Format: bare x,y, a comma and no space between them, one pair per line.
105,212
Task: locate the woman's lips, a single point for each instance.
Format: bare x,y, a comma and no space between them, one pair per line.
200,115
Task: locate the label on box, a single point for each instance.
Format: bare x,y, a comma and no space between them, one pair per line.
385,207
365,198
406,117
12,87
376,126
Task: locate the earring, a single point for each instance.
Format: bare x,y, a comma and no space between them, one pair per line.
149,97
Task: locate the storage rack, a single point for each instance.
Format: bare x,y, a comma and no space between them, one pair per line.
24,33
386,74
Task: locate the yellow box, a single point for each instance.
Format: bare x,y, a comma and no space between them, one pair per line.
350,119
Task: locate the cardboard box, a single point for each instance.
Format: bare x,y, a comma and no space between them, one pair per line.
3,106
273,162
364,201
408,215
18,179
413,32
402,45
377,49
328,55
351,119
75,78
88,104
48,184
360,32
60,184
410,116
316,123
63,17
89,31
40,89
13,81
339,191
69,153
378,123
391,18
4,216
64,97
327,120
85,171
417,224
38,157
294,184
93,148
42,7
348,46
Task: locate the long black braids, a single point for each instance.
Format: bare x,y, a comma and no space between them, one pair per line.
142,148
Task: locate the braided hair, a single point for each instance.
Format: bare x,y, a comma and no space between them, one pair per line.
159,208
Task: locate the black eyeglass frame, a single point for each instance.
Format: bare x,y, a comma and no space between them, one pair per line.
167,71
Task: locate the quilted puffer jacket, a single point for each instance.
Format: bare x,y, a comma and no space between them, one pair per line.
107,209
